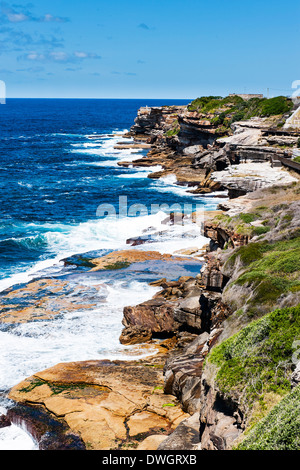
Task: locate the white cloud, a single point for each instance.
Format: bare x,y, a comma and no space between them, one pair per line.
19,14
86,55
50,18
16,17
35,56
58,56
81,55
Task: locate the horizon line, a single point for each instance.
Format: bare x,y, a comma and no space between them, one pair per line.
86,98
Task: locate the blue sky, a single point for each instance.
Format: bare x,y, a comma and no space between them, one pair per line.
148,49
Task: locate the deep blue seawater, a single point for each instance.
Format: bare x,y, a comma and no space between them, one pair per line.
58,164
54,173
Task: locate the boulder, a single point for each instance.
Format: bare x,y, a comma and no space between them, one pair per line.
4,421
295,380
106,404
135,335
182,374
185,437
220,421
156,316
188,313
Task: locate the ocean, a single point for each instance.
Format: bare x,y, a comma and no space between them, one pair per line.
58,165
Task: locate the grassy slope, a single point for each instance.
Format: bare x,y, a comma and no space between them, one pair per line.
222,112
268,267
254,366
280,429
254,369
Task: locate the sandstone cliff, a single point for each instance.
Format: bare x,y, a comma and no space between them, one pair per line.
204,143
227,371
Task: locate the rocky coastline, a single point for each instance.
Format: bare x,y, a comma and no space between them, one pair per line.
222,372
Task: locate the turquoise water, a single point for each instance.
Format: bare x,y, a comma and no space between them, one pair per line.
54,174
58,165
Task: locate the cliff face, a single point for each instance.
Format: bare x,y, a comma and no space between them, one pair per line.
240,386
203,143
228,368
155,121
249,271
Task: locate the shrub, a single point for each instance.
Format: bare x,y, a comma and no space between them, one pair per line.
240,109
275,106
271,270
268,434
261,230
258,359
174,130
248,218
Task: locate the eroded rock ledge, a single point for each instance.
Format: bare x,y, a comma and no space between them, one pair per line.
107,405
180,385
140,404
202,150
220,302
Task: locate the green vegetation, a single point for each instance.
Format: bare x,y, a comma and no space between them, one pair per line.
271,270
205,103
252,369
158,387
241,223
261,230
33,384
117,265
267,270
280,429
258,359
234,108
80,261
174,129
248,218
242,109
58,388
278,257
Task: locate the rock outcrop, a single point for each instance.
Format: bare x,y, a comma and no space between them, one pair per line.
108,405
155,121
197,147
193,394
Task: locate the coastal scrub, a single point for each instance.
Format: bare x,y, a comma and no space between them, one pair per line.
269,435
257,360
223,112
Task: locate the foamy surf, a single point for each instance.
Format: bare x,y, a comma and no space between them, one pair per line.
88,334
110,233
16,438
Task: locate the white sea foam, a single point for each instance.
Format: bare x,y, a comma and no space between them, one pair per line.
66,240
168,184
141,173
108,233
75,336
25,185
15,438
91,334
106,149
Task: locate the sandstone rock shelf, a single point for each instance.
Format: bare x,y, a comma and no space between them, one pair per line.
192,394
